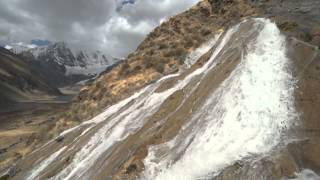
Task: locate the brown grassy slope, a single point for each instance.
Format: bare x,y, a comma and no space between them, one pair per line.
162,52
19,82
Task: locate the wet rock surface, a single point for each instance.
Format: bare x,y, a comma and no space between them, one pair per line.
298,20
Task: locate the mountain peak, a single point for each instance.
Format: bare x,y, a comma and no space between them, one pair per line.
60,44
73,61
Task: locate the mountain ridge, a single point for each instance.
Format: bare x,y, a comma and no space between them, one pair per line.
60,64
154,59
162,52
19,82
257,88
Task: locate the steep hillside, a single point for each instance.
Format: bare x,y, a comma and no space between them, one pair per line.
226,90
19,82
162,52
165,49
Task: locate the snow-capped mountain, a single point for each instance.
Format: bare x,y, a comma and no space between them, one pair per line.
60,60
17,48
81,62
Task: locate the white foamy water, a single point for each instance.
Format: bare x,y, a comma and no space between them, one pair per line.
306,174
245,116
44,164
204,48
120,123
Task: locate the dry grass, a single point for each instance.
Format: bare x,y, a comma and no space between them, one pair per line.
162,52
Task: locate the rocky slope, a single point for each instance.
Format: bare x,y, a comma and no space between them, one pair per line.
165,49
61,64
19,82
242,106
162,52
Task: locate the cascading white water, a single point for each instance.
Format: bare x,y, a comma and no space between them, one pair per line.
146,102
204,48
306,174
243,117
44,164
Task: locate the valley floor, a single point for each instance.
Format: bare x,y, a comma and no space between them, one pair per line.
23,127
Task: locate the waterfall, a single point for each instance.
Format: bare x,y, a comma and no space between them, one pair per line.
242,118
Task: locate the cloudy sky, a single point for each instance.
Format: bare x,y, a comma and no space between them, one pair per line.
114,26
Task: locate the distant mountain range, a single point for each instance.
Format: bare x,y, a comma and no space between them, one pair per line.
62,65
19,82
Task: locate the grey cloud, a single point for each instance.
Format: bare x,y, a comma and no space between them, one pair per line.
86,12
134,21
154,10
62,19
89,24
